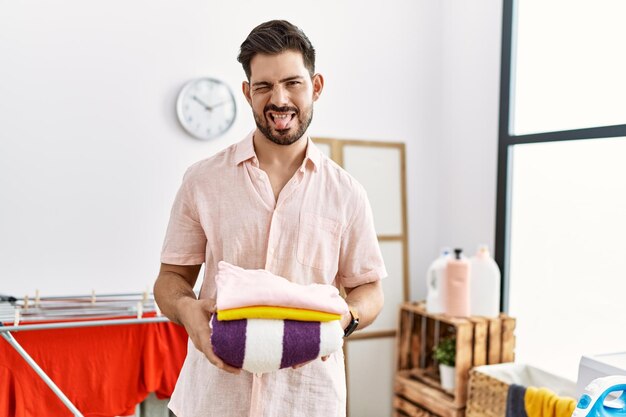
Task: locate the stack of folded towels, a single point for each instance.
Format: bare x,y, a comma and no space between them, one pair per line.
265,322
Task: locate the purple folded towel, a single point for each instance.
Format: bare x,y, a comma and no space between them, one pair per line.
263,345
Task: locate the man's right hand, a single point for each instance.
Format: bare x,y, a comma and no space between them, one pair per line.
173,290
195,315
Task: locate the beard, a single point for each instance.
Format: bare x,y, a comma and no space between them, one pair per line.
283,137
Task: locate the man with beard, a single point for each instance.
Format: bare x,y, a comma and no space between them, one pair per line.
272,201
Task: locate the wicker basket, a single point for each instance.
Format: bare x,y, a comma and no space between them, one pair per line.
489,387
486,396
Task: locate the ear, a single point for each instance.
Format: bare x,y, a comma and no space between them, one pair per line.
245,87
318,86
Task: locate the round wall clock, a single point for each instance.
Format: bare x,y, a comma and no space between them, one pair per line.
206,108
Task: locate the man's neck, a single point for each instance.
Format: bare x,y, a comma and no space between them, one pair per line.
271,154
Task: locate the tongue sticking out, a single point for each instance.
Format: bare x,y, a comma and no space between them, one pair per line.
282,122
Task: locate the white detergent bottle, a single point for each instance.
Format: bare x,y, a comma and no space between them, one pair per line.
434,283
457,286
485,284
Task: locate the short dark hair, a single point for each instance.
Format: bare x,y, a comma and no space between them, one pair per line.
274,37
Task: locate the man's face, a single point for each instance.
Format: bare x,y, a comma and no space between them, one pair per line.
281,93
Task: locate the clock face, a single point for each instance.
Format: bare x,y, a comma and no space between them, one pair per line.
206,108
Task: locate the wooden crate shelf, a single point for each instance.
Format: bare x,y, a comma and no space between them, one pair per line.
479,341
404,408
419,394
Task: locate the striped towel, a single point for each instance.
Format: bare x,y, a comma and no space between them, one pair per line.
260,345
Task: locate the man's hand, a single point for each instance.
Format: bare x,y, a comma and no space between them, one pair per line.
344,321
195,315
173,290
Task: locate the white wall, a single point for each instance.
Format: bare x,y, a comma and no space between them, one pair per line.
469,140
91,153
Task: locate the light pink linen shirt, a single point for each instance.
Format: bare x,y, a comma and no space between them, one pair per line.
320,230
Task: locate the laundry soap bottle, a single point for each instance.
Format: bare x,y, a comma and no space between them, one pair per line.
485,285
434,283
457,286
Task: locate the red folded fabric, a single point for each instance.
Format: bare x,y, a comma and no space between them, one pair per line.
105,371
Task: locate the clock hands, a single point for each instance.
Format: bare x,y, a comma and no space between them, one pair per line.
207,107
221,103
202,103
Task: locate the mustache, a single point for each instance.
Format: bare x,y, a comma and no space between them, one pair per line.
283,109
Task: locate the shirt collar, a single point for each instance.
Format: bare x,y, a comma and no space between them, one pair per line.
313,154
245,151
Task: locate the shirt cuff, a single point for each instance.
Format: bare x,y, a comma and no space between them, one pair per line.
369,276
182,259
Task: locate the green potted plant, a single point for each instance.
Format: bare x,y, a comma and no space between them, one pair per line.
444,353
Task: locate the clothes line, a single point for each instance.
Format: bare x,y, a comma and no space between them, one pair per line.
79,296
4,297
69,312
24,310
75,324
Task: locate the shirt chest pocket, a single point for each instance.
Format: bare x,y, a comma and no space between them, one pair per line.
318,241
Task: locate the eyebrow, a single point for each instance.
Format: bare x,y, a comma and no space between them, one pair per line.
284,80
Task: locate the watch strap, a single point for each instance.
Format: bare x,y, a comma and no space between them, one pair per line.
354,323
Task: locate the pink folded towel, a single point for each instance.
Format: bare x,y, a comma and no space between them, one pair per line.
238,287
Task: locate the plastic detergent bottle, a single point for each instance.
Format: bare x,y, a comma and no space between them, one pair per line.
485,285
434,283
457,286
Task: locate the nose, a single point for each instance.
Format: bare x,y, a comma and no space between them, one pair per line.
280,96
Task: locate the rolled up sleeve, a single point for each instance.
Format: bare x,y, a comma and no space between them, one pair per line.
360,259
185,240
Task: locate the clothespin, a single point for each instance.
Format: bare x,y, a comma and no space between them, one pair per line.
139,310
26,302
93,296
16,319
37,298
146,294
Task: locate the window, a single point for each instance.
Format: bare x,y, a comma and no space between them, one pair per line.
561,217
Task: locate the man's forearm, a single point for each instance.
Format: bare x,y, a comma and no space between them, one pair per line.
367,300
173,288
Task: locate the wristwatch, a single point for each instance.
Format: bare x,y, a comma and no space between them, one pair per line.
354,323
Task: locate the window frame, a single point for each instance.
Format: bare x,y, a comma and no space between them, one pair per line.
507,140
